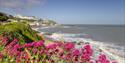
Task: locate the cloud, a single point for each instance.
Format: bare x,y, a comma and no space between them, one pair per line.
20,4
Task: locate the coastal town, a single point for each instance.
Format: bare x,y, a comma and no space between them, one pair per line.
32,20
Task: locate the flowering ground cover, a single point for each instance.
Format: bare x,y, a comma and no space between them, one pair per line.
22,45
56,52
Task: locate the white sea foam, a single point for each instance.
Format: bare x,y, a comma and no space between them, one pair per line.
113,51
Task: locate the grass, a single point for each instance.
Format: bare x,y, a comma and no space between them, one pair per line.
20,30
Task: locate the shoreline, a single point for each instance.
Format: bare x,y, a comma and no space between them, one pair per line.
103,46
105,51
110,35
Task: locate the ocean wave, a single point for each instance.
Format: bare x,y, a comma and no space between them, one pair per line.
112,50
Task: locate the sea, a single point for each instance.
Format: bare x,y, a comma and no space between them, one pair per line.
112,34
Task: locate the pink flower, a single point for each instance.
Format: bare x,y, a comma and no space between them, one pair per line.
107,61
17,53
42,51
11,45
51,46
28,45
14,42
5,40
86,57
69,45
40,43
61,54
37,44
56,50
59,44
1,55
35,51
76,52
103,59
91,61
76,58
17,46
97,61
33,43
87,46
88,49
68,56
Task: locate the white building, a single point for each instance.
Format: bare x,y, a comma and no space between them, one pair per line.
26,17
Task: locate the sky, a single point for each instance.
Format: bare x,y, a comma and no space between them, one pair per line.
69,11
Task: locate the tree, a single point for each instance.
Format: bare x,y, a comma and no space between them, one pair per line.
3,17
52,22
11,17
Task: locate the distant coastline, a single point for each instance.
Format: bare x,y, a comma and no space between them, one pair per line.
121,25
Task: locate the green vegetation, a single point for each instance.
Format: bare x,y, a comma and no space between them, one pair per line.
19,30
48,22
3,17
52,22
14,27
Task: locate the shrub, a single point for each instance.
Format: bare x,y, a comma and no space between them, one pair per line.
19,30
3,17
